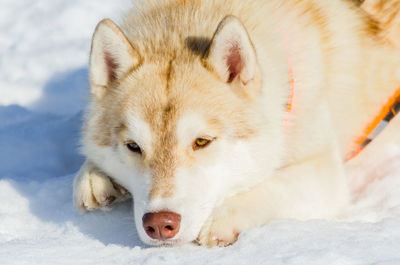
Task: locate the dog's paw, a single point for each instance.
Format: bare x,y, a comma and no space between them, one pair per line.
218,232
95,190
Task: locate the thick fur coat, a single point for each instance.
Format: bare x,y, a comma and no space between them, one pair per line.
189,111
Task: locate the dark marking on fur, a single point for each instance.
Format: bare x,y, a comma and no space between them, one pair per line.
356,2
373,26
198,45
168,75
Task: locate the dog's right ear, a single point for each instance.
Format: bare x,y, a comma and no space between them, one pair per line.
111,57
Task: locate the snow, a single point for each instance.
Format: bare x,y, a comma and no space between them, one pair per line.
44,48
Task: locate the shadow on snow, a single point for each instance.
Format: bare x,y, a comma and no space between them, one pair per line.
39,155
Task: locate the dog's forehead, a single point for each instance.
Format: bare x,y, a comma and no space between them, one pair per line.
175,97
161,94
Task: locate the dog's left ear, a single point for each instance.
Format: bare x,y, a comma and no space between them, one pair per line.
231,53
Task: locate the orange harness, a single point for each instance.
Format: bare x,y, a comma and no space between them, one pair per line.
385,115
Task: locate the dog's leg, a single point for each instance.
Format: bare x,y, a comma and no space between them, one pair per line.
95,190
315,188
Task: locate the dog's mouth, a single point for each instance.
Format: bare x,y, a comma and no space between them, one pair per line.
165,243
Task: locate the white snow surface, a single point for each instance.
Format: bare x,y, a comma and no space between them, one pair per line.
44,47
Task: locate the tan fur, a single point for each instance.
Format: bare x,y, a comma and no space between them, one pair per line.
165,45
387,13
343,74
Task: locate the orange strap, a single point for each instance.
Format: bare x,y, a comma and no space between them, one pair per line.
387,112
291,92
289,106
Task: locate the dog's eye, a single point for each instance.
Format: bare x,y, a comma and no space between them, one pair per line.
134,147
201,143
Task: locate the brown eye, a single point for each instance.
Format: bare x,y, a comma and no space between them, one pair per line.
134,147
201,143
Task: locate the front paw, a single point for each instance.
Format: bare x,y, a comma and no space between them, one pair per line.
95,190
218,232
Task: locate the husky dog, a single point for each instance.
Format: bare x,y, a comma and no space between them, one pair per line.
220,115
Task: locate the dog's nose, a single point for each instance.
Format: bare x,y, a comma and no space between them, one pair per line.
161,225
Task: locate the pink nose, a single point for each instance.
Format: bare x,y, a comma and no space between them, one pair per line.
161,225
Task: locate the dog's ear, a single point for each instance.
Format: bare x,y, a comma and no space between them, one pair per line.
231,53
111,57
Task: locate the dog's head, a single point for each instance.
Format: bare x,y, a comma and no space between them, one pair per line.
181,132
